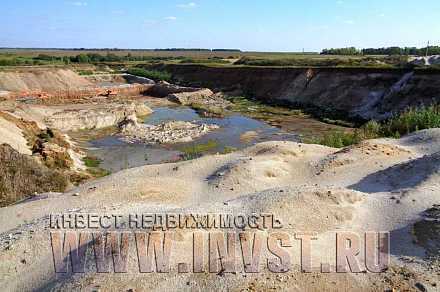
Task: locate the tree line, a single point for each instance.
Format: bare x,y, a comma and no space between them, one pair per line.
352,51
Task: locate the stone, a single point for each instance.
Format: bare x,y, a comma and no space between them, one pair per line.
168,132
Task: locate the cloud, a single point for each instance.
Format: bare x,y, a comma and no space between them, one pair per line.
349,21
339,2
187,5
382,15
171,18
78,3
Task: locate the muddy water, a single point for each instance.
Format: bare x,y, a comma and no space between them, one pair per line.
236,132
246,126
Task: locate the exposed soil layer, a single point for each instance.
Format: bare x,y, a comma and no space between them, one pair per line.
65,83
360,94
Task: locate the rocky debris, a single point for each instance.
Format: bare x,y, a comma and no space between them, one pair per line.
137,79
187,98
167,132
105,116
163,89
55,156
118,79
142,110
203,100
129,123
425,61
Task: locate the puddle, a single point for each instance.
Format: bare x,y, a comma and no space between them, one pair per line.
236,132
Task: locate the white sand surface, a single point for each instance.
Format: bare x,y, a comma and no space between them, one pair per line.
378,185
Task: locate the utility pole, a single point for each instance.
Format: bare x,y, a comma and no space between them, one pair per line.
427,50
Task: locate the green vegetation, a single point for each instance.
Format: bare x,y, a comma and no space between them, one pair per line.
98,172
258,109
13,60
151,74
91,161
328,61
411,120
197,150
335,139
351,51
340,57
229,149
390,51
213,60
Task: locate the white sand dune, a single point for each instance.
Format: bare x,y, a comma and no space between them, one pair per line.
378,185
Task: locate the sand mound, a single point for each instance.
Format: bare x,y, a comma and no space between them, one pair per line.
265,166
402,176
48,80
326,208
360,153
423,142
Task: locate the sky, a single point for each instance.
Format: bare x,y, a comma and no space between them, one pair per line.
258,25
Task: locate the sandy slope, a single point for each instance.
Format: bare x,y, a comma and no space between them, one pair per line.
378,185
12,135
41,80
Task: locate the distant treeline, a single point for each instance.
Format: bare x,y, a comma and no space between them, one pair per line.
44,59
196,50
352,51
120,50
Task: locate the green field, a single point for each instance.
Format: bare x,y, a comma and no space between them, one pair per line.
38,57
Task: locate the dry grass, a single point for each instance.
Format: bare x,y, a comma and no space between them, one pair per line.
22,175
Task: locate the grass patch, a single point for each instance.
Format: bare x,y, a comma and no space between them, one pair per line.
212,60
257,109
91,161
326,61
228,149
98,172
197,150
151,74
411,120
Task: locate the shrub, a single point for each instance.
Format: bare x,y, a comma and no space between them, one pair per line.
413,119
22,175
337,139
